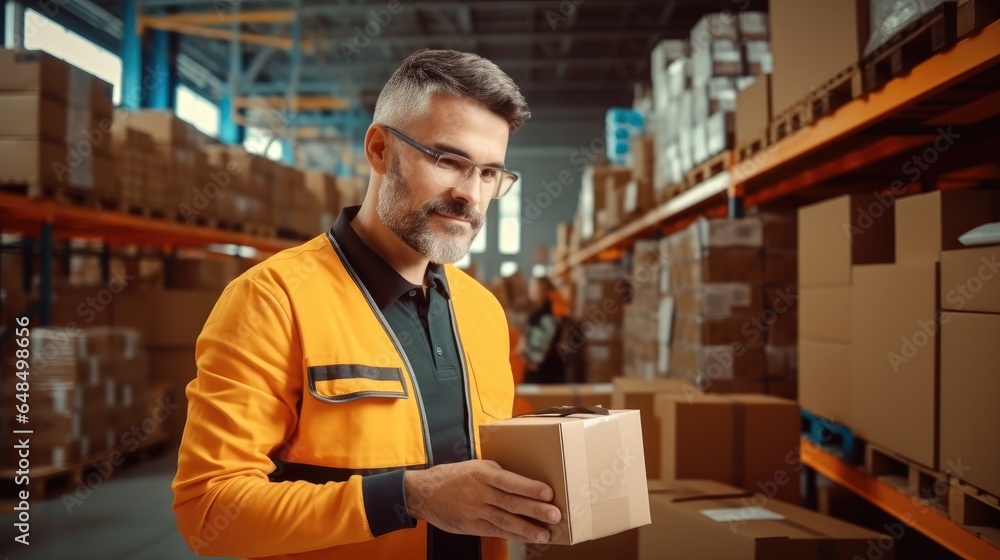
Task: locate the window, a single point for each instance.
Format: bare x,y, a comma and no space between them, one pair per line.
41,33
197,110
510,220
260,141
465,262
508,268
479,243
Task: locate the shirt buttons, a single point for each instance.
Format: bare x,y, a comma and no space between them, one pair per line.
439,351
413,293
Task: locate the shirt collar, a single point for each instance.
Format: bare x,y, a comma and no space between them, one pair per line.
383,282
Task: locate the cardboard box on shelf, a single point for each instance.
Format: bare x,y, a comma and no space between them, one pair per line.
643,159
208,274
162,125
640,394
701,520
722,362
969,385
844,231
567,452
569,394
620,546
169,318
33,71
741,439
812,41
825,379
970,279
32,162
686,452
753,112
603,361
825,313
894,327
929,223
29,116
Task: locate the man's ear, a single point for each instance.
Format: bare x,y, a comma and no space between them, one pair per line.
376,148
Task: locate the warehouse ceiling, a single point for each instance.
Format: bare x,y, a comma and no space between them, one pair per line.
571,58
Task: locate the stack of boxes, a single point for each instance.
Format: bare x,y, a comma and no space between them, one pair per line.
780,315
602,290
903,340
236,200
324,187
87,394
56,131
645,343
142,174
892,306
695,96
182,160
833,236
715,277
639,197
601,199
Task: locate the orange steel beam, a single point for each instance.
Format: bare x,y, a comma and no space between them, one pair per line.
852,161
922,518
214,18
18,213
300,103
284,43
699,195
966,58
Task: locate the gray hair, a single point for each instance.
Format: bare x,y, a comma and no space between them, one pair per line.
427,72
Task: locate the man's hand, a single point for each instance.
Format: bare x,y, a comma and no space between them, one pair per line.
479,498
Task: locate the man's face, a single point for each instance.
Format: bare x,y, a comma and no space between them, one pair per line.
437,221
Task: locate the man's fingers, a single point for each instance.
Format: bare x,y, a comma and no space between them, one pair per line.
520,505
512,483
522,530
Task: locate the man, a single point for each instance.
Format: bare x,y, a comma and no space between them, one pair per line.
341,383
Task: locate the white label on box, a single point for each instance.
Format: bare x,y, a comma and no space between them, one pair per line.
94,372
721,298
58,456
751,513
631,202
60,400
127,396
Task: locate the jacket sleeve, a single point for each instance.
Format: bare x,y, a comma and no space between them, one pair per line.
242,409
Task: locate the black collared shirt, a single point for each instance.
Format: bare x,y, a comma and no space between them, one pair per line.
422,324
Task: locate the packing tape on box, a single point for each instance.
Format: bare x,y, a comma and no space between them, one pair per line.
606,474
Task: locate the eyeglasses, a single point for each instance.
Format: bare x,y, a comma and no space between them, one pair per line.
451,170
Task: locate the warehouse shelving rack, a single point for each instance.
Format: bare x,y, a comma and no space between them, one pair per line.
47,220
901,506
863,146
864,142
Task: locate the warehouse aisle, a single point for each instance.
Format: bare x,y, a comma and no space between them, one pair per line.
126,518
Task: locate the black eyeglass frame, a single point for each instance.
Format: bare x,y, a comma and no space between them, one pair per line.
436,155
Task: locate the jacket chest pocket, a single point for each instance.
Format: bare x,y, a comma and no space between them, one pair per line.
340,383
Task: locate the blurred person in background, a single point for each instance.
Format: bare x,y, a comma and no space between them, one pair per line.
539,349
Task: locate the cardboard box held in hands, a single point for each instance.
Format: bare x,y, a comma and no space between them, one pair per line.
591,457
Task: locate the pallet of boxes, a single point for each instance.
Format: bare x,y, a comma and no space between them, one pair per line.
85,402
55,138
695,85
601,292
902,310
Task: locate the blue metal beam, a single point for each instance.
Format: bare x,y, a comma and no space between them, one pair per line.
229,131
131,58
162,58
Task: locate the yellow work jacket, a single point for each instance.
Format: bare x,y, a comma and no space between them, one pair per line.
258,402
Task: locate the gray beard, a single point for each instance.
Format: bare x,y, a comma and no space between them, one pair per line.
413,225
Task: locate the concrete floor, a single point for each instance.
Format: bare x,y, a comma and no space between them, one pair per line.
127,517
